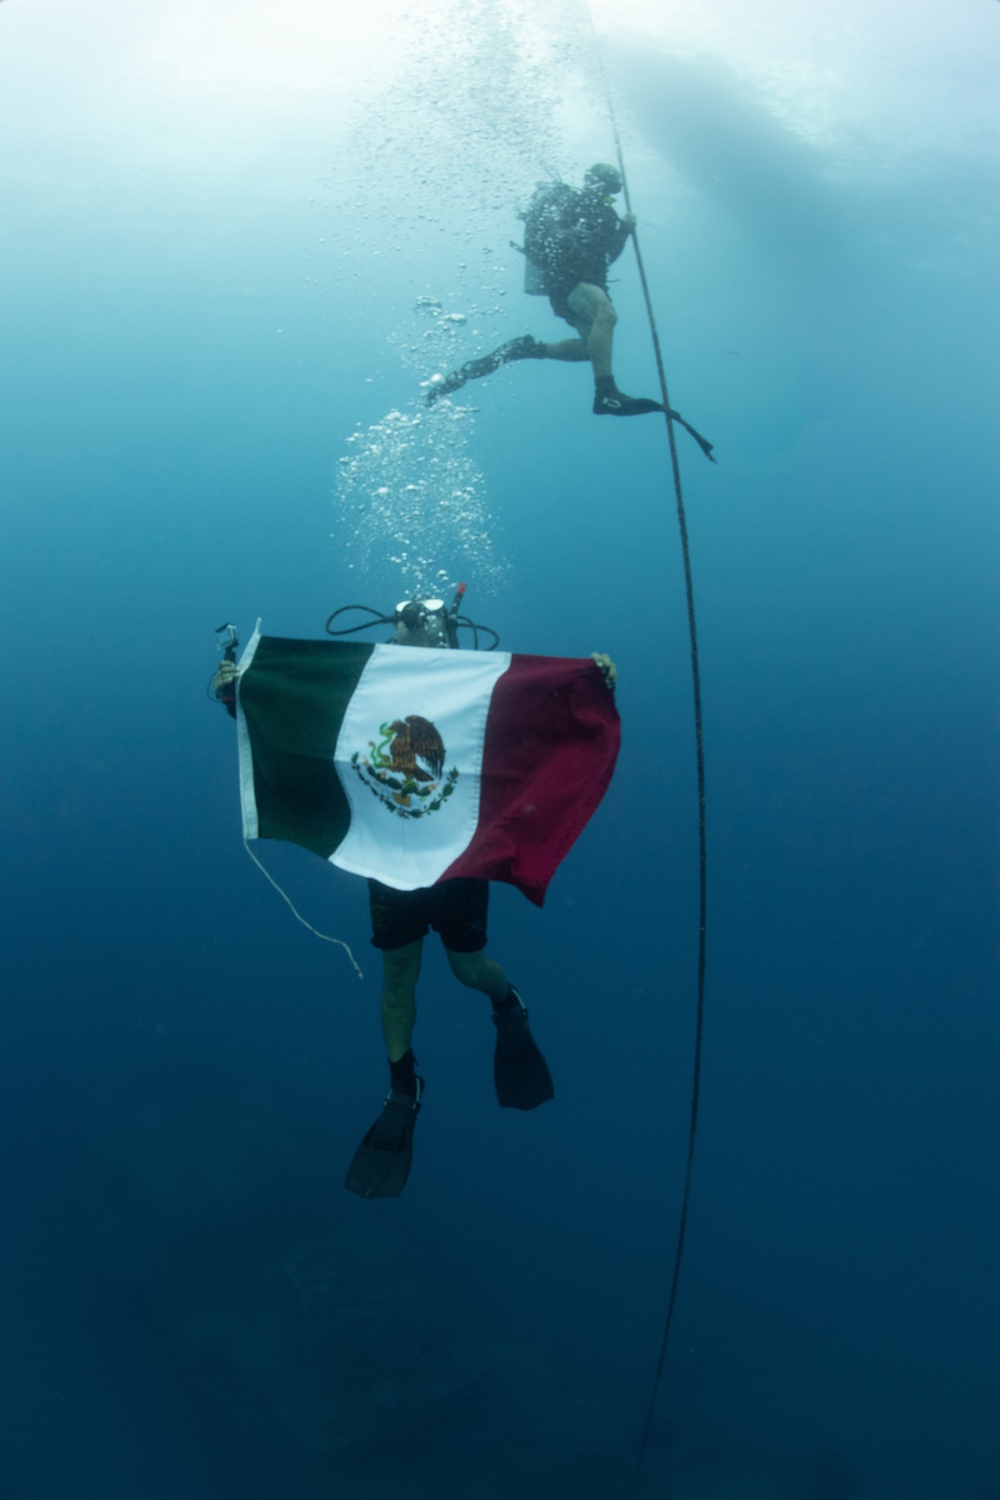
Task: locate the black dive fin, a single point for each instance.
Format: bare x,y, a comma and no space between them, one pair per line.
524,347
520,1072
381,1163
703,443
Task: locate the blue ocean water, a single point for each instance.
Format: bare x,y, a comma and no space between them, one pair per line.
235,245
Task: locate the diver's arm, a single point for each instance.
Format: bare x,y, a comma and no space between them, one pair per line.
623,230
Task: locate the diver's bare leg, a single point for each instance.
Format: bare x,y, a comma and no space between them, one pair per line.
594,312
400,970
479,972
570,350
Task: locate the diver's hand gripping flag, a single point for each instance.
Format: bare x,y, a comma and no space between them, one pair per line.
417,765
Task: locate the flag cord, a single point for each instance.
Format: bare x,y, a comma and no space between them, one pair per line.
700,760
316,933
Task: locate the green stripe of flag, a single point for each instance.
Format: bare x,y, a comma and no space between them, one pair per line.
293,697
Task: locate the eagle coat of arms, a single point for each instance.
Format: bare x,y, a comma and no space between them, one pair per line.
405,768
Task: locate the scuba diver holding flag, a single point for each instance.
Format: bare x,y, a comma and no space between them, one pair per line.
493,778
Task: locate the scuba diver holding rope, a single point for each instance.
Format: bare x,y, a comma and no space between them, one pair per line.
572,236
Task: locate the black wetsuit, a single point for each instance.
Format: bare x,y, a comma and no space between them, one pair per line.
576,237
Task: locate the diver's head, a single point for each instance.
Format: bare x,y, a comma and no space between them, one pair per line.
422,622
419,622
603,178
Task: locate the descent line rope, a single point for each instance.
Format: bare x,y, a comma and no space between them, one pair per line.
700,759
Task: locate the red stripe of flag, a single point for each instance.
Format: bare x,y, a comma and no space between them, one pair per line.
552,736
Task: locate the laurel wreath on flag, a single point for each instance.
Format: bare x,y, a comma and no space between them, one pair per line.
404,786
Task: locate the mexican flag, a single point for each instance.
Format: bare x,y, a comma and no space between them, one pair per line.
414,765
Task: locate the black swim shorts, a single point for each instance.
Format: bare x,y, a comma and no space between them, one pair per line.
454,908
560,288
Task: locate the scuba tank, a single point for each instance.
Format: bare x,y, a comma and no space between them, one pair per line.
534,279
542,220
